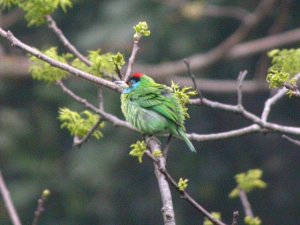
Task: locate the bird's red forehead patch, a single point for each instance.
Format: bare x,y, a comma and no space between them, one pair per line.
137,75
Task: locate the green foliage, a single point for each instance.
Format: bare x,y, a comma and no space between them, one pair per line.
141,29
248,182
79,124
41,70
252,221
101,63
7,3
183,95
138,150
215,215
36,10
182,184
285,65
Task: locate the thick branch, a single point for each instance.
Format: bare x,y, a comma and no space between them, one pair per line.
164,188
17,43
184,194
8,202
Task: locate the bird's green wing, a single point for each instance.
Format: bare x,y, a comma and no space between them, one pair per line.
160,99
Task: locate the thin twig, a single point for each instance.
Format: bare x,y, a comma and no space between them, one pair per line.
184,194
246,204
77,142
41,207
241,78
13,215
292,140
53,26
201,61
187,63
131,60
235,218
294,90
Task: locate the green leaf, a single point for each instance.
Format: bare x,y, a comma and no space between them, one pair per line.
79,124
41,70
182,184
141,29
247,182
37,10
138,150
252,220
183,94
215,215
101,63
7,3
285,65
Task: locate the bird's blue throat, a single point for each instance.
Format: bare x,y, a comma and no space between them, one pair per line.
131,88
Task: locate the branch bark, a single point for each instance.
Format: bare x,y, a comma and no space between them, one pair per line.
164,188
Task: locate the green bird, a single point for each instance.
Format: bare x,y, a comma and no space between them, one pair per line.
152,108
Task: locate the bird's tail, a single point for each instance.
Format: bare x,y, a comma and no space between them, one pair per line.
182,134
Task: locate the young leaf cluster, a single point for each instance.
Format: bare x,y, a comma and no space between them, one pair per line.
285,65
41,70
182,184
101,63
79,124
37,10
247,182
215,215
138,150
252,220
183,95
141,29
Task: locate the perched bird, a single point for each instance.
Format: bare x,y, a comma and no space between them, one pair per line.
152,108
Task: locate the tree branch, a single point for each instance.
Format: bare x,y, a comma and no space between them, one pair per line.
104,115
164,188
52,25
15,220
78,73
292,140
235,218
183,194
201,61
131,60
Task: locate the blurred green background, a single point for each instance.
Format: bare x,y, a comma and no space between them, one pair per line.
100,183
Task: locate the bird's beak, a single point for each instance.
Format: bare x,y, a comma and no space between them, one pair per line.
121,84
